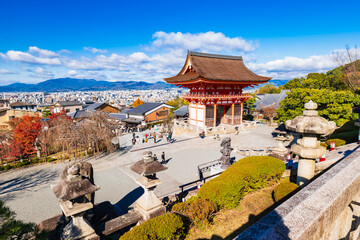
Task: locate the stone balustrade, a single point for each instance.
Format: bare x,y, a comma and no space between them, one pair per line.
327,208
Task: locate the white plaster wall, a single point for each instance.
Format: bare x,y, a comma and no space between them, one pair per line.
200,114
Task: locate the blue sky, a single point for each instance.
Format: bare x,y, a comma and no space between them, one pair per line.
148,40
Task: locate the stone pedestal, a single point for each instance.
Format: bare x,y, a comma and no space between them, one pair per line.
149,205
79,228
306,170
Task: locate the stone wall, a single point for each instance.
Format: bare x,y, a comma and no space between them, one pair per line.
327,208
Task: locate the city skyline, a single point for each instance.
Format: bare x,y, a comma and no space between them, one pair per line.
143,41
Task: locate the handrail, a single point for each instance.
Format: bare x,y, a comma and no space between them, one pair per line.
196,181
215,95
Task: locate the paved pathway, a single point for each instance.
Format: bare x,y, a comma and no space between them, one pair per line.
27,191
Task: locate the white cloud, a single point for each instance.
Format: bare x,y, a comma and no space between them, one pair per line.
40,72
5,71
42,52
291,67
28,58
208,42
95,50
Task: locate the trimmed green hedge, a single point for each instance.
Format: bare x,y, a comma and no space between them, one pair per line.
347,132
200,211
338,142
244,176
285,189
168,226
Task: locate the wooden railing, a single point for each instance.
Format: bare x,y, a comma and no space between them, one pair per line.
220,96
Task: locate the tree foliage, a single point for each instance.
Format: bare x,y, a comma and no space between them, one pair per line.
333,105
177,103
268,88
25,134
331,80
137,102
250,103
349,65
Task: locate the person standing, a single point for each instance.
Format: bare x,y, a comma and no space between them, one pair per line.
154,136
155,157
163,157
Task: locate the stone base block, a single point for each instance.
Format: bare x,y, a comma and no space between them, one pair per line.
151,213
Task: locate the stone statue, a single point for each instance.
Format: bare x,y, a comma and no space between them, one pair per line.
225,151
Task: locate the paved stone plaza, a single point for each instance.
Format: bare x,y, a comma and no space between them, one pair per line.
27,191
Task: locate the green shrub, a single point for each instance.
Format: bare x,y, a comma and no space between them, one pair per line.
50,159
323,144
338,142
248,117
347,127
285,188
35,160
200,211
7,167
168,226
348,137
10,228
244,176
23,163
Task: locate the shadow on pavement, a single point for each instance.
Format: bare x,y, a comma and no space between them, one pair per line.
125,203
25,182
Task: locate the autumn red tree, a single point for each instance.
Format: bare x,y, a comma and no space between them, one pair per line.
25,134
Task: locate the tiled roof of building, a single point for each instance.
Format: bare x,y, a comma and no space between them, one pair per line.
215,67
69,103
20,104
118,116
182,111
143,108
93,107
271,100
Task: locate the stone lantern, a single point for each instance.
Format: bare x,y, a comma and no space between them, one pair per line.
310,126
72,193
148,205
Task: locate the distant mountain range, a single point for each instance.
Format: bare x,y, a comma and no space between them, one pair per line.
73,84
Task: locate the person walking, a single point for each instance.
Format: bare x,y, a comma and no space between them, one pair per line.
154,136
133,141
163,157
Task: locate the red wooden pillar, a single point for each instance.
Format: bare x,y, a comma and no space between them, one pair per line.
215,113
232,113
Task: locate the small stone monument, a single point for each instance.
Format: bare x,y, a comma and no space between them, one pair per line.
72,192
310,126
281,151
225,151
148,205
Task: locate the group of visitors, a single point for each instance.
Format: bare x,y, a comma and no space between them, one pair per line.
163,160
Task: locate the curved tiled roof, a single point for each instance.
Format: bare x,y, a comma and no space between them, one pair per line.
216,67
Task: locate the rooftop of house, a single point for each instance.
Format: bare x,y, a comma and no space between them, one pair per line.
143,108
22,104
69,103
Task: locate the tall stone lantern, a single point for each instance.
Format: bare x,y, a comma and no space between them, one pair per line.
148,205
310,126
72,193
